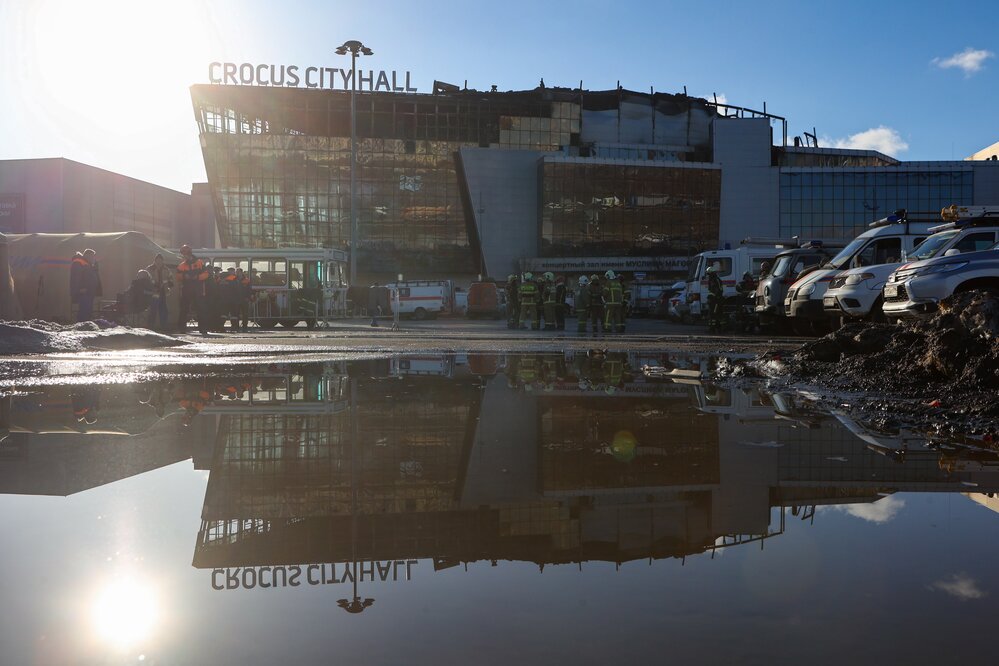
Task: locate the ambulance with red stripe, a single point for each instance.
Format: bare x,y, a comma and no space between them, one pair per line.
424,299
732,265
883,243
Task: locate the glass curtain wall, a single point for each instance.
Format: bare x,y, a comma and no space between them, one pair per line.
593,209
841,203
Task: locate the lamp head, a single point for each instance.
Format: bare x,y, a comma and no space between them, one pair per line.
355,47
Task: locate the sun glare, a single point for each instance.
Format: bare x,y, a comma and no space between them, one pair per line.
126,612
94,66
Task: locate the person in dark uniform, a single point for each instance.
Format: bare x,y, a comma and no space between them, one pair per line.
512,301
716,298
596,305
560,306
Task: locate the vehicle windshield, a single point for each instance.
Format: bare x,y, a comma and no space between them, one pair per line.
932,245
695,269
844,256
782,265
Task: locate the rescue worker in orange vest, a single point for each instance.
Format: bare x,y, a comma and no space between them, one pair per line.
192,276
229,296
242,313
613,303
84,283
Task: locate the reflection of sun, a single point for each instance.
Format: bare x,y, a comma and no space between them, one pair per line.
125,612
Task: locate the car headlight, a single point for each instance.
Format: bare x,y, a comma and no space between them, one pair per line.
942,268
807,289
857,278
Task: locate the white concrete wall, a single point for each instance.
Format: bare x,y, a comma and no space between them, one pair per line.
503,186
750,187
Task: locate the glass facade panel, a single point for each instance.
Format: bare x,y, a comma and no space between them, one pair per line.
593,209
831,204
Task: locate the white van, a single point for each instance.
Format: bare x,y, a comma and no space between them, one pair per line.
733,263
884,243
424,299
856,293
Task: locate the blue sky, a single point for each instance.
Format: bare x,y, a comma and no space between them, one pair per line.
105,81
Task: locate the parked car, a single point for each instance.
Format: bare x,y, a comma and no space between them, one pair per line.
883,243
857,293
917,288
789,265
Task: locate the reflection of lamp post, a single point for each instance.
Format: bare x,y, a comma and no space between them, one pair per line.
354,605
355,48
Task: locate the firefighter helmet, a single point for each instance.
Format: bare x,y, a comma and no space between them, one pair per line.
609,275
583,280
185,249
528,276
549,276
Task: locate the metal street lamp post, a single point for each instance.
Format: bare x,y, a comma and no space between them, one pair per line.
355,48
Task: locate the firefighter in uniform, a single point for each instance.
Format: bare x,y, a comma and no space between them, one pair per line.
716,298
192,276
548,300
582,301
560,306
596,304
528,293
512,301
613,304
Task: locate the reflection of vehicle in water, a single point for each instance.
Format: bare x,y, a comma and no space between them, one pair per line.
289,285
340,465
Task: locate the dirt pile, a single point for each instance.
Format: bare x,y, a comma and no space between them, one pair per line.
954,352
42,337
937,375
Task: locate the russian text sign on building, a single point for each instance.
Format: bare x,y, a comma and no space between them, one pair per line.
587,264
293,76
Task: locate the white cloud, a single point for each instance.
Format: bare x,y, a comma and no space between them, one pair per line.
881,138
722,99
875,512
962,586
968,61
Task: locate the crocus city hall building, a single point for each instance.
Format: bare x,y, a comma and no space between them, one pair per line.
460,182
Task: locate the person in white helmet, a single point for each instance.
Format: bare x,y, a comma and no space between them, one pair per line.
613,303
582,300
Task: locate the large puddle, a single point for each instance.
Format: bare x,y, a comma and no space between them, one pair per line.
493,509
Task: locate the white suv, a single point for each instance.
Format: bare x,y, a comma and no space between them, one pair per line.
857,293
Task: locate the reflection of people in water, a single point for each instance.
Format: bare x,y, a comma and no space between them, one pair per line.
193,396
86,404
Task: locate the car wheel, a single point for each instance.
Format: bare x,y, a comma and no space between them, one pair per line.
420,314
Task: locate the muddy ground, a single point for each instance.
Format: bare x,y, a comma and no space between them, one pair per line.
939,374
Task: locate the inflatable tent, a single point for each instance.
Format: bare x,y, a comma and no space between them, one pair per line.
40,263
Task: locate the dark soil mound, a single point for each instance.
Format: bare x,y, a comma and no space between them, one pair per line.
956,352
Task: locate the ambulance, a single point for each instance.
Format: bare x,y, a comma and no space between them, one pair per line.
425,299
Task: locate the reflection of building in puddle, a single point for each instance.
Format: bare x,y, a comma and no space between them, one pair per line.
468,466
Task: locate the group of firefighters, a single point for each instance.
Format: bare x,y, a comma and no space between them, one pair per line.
599,302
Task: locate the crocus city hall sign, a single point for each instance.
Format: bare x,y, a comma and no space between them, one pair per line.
293,76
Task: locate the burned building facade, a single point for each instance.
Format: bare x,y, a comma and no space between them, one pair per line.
462,182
